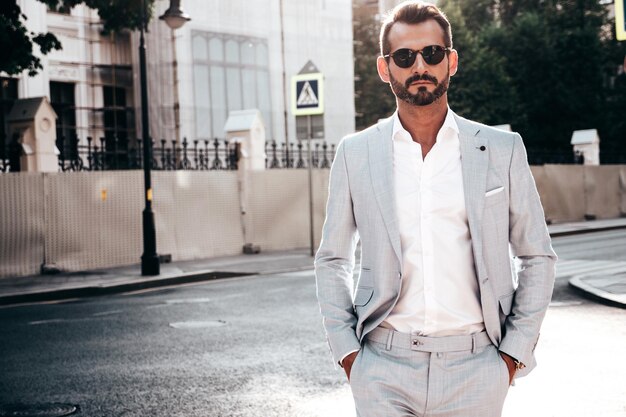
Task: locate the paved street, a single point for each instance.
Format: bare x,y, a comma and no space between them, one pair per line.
254,346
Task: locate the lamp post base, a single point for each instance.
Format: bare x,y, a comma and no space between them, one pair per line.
150,264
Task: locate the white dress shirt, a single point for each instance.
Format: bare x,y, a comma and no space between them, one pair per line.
439,294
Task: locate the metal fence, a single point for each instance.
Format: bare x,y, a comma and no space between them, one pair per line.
219,154
295,156
199,155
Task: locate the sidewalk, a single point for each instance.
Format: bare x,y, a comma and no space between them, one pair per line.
61,286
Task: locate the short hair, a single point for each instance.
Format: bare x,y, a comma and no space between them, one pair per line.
413,12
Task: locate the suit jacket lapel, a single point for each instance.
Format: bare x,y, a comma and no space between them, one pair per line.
475,164
380,148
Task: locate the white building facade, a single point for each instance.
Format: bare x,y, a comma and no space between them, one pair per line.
232,55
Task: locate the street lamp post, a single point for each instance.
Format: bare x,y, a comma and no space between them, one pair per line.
175,18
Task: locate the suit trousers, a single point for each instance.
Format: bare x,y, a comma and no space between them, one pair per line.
400,375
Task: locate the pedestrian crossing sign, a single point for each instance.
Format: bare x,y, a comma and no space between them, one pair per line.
307,94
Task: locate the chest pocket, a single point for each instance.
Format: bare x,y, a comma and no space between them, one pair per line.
496,198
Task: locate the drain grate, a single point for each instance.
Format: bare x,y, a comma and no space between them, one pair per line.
37,410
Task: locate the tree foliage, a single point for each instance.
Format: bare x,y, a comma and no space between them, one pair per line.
16,41
547,67
373,98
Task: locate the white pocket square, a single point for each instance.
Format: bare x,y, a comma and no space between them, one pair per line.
494,191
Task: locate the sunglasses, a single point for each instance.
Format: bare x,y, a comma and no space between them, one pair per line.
405,57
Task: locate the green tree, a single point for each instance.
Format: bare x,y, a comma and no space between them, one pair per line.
547,67
16,42
482,88
373,99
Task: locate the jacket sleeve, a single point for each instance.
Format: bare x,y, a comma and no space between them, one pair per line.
530,244
334,262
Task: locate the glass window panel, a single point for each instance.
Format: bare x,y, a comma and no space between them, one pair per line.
203,125
249,89
216,49
233,79
8,95
218,100
232,51
62,101
261,55
199,48
202,96
264,100
248,53
236,77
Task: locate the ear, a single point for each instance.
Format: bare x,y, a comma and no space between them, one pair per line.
453,62
383,69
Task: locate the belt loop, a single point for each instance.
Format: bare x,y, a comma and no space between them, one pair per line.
389,339
474,343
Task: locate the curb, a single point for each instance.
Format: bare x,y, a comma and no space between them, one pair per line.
584,231
95,291
578,283
100,290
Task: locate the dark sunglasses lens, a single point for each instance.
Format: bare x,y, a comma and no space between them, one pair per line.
404,58
433,54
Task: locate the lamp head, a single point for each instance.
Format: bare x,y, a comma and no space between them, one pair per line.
175,17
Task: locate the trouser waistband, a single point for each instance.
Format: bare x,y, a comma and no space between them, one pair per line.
392,338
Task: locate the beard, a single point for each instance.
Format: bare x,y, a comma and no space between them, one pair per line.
423,97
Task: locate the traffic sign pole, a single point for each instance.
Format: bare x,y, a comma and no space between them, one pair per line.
311,230
307,89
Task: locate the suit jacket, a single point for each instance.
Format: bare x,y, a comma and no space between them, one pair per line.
503,224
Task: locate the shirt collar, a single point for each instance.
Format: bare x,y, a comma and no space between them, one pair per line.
400,133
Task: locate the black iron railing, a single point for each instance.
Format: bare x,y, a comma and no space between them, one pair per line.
219,154
200,155
296,156
110,154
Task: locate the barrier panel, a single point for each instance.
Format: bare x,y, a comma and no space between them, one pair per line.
22,224
197,214
602,191
542,182
94,219
622,183
564,191
279,208
89,220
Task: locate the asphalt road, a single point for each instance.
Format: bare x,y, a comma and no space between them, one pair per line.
254,346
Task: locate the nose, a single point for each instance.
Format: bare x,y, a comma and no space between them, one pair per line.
420,65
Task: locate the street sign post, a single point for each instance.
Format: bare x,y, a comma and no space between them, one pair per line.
620,22
307,98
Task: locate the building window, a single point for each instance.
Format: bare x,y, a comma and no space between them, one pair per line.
117,115
118,123
8,95
230,73
64,104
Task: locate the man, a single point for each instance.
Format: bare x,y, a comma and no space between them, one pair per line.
440,322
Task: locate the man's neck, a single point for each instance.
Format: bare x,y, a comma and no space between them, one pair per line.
423,122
